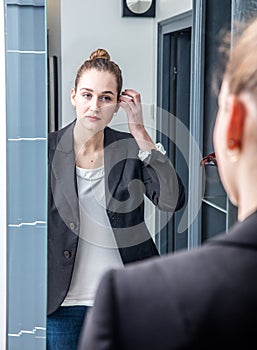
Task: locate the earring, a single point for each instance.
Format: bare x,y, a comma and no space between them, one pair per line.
115,113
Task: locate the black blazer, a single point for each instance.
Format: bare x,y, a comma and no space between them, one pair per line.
202,299
127,179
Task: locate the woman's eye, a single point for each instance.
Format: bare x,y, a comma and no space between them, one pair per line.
105,98
86,95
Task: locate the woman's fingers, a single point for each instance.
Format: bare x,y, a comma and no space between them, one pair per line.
126,106
130,101
132,94
126,99
132,98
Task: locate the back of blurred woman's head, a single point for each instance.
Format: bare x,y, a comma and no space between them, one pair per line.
241,68
235,133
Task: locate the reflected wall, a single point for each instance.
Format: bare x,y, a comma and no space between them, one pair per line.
26,112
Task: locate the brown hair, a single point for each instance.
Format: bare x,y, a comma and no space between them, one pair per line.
241,68
101,61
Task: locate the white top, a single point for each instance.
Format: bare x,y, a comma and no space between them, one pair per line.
97,249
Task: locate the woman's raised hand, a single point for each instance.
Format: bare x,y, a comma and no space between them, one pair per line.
130,101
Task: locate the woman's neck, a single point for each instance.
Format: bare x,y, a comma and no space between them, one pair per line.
88,148
247,202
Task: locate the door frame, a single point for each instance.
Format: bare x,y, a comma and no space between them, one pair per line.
168,26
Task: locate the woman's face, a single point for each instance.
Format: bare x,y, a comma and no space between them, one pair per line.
95,99
227,169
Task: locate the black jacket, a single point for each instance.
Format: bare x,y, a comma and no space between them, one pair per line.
127,179
202,299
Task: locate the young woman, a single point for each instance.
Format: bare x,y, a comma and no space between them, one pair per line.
98,178
205,298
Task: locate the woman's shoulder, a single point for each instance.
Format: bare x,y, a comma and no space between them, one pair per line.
55,136
117,134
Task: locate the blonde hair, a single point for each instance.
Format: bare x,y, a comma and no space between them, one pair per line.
101,61
241,68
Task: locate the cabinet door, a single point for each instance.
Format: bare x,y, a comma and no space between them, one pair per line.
209,24
206,190
218,213
215,202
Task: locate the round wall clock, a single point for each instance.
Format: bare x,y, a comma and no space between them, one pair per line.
138,8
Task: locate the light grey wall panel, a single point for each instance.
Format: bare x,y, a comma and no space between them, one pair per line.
26,2
26,92
27,31
27,184
26,72
26,287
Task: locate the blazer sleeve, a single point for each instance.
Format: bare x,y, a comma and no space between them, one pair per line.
163,185
99,329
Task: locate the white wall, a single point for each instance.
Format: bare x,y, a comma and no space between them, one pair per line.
131,42
169,8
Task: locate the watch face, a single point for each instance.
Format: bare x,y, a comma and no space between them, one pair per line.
139,6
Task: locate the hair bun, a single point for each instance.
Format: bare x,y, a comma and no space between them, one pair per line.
99,53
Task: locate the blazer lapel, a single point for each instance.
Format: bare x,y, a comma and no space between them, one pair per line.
114,155
63,179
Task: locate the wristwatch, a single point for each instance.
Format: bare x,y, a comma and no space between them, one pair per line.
142,155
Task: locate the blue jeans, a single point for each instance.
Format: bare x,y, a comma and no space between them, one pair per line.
63,327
